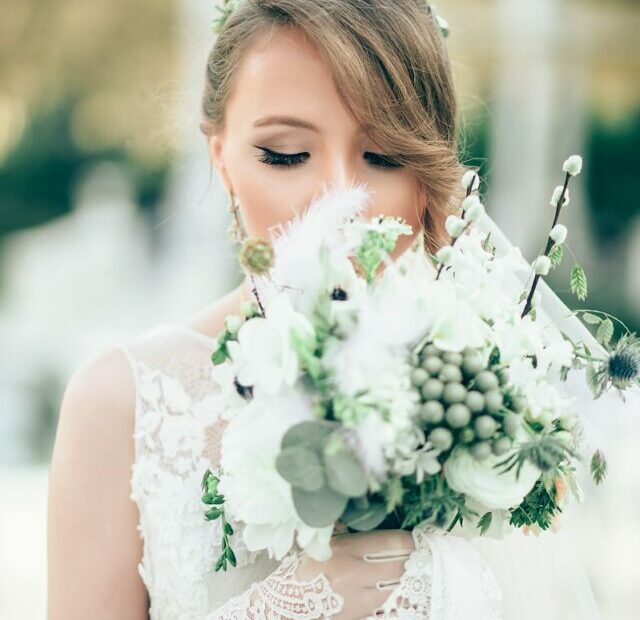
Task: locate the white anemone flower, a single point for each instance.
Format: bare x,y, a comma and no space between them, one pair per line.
263,355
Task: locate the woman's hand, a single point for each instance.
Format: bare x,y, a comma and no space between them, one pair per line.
364,569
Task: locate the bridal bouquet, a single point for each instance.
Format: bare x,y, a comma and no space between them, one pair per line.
380,393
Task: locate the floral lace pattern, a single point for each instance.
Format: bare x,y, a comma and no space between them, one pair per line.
444,579
282,597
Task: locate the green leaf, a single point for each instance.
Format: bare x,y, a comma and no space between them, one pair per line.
578,282
484,523
590,318
212,514
301,467
556,254
604,332
345,473
318,508
364,517
310,434
598,467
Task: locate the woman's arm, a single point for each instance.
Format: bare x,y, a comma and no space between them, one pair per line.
93,543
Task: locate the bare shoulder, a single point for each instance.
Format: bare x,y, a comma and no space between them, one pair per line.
93,544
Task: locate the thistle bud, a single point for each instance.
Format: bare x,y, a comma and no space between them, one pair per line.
558,233
256,255
573,165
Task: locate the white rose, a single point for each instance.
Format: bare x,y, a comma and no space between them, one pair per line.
483,483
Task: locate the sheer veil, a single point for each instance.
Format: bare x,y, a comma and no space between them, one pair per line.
544,577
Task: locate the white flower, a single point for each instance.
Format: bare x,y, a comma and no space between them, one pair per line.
224,376
263,355
541,265
573,165
484,483
455,226
454,323
471,180
555,198
558,233
254,491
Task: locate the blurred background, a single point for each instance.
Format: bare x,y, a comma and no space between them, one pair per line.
111,219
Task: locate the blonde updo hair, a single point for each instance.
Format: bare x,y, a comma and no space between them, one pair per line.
391,70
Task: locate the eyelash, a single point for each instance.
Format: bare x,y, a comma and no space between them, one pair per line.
286,160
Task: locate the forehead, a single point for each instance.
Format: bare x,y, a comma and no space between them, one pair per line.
280,73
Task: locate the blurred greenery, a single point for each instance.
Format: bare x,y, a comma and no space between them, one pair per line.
37,179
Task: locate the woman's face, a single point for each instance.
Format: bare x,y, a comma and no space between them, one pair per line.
287,133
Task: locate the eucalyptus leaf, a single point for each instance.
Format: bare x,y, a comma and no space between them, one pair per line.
318,508
345,473
301,467
310,433
364,516
590,318
604,333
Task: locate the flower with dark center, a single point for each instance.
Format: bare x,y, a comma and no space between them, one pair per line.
338,294
246,391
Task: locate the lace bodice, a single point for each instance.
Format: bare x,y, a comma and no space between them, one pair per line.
177,435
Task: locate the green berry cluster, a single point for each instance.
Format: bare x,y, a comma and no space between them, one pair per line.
464,400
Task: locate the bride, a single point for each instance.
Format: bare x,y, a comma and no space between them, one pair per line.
299,94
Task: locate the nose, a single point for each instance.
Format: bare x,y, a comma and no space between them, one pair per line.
341,169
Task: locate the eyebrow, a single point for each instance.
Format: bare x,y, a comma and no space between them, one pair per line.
291,121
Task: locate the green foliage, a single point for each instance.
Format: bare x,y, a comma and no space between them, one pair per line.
484,523
379,242
319,508
578,282
301,467
604,332
598,467
432,501
364,513
556,254
537,508
544,451
212,498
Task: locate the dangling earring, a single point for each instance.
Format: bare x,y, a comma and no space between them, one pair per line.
235,231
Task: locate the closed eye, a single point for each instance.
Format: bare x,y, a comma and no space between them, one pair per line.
286,160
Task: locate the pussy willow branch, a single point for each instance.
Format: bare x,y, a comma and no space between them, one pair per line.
550,243
453,242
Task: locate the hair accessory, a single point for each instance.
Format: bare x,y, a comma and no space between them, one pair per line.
224,10
229,6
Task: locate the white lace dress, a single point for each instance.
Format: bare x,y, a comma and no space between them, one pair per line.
177,436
